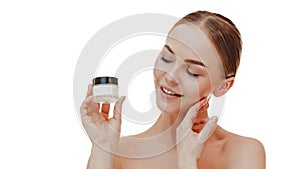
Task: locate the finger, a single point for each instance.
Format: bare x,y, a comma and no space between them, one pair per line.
105,108
89,107
90,90
83,110
191,115
199,121
208,129
88,110
84,106
118,109
92,106
204,107
105,116
198,125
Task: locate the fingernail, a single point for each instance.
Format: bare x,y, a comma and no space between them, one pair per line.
214,119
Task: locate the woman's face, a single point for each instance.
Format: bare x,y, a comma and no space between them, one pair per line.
187,69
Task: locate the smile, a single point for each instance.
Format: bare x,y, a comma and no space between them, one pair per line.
169,93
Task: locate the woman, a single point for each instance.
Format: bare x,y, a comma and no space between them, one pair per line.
200,58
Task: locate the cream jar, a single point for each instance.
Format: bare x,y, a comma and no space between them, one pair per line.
105,89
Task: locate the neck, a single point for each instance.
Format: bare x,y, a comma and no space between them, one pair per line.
167,124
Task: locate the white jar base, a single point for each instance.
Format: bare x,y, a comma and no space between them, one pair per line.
106,99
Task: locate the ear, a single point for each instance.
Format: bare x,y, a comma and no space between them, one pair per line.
225,86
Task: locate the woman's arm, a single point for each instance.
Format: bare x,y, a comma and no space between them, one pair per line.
189,143
103,131
100,159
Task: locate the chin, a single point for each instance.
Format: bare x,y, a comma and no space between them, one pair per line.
168,106
171,103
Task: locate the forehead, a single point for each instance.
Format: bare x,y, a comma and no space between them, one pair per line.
190,42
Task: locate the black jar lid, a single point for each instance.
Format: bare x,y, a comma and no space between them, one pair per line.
105,80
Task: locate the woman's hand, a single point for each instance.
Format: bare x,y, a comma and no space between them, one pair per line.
104,132
190,143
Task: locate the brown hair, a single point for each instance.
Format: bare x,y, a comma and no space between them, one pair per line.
223,34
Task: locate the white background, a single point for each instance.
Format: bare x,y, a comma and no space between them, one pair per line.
41,41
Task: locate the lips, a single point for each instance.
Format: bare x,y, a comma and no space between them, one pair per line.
169,93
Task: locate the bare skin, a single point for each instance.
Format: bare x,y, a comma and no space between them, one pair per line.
186,73
222,150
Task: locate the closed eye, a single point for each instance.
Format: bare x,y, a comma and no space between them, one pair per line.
192,74
165,60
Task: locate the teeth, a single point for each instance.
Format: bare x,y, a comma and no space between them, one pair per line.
168,91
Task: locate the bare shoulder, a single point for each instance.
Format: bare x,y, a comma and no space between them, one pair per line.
243,144
244,152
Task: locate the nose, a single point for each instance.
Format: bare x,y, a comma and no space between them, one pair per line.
172,77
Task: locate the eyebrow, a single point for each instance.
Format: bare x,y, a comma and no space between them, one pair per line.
194,62
186,60
169,49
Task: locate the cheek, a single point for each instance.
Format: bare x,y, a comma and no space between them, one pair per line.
158,70
199,90
205,88
157,74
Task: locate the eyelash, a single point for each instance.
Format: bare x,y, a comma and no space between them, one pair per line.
165,60
192,74
187,70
